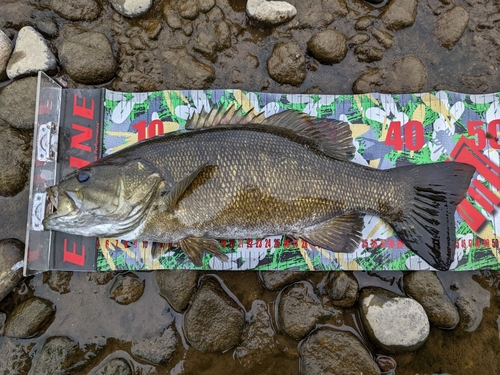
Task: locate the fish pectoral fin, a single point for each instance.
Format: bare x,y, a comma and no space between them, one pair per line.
195,247
341,234
168,199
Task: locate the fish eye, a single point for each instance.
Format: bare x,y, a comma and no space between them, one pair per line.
83,175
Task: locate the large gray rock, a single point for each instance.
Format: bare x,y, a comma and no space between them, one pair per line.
275,280
17,103
5,51
11,265
287,64
15,153
270,12
177,286
426,289
328,46
393,323
59,355
342,289
29,317
126,288
114,366
76,10
329,351
31,54
298,309
399,14
258,342
214,321
451,26
156,350
131,8
58,281
88,58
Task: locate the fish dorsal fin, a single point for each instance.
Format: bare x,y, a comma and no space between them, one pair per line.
332,137
169,198
234,115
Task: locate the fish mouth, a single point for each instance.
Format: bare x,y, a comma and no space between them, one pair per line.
60,204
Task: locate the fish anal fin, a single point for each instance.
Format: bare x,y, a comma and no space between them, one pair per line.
341,234
195,247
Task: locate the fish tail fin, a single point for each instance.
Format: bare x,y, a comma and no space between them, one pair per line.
427,221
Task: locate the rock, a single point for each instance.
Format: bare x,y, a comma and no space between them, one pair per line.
15,152
214,321
363,23
451,26
16,359
177,286
126,288
205,5
258,339
287,64
131,8
58,281
358,39
59,355
470,313
11,263
298,310
76,10
100,278
328,46
48,27
395,324
342,289
275,280
29,317
88,58
408,74
5,50
270,12
114,366
156,350
385,39
368,53
329,351
189,10
399,14
188,72
30,55
426,289
476,83
17,103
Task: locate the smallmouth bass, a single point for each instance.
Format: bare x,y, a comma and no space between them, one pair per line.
240,175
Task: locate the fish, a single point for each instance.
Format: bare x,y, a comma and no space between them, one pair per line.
237,174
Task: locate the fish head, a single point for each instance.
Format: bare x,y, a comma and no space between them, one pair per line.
105,198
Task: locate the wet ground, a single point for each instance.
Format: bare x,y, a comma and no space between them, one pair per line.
154,52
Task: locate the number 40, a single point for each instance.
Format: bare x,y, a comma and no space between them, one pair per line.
413,135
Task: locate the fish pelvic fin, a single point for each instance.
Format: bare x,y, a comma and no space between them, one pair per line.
341,234
427,222
333,137
195,247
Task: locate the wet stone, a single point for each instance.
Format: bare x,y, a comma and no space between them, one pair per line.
189,10
127,288
177,286
5,51
205,5
399,14
114,366
58,281
270,12
329,351
31,54
298,310
17,103
29,317
258,342
59,355
395,324
275,280
451,26
328,46
287,64
131,8
15,153
48,27
470,313
11,264
100,278
188,72
156,350
426,289
358,39
363,23
385,39
76,10
15,358
88,58
342,289
214,321
474,82
368,53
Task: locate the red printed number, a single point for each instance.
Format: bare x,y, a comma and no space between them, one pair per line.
475,128
413,135
154,128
